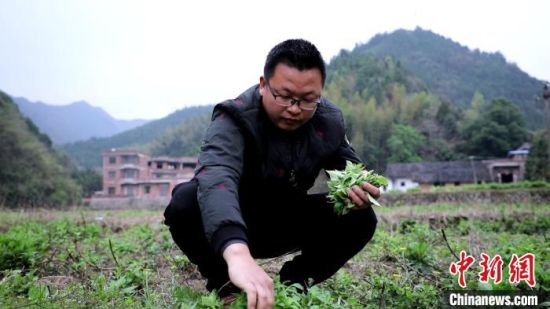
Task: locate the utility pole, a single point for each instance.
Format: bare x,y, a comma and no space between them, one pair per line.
546,96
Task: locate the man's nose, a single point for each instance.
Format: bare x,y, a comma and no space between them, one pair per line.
294,109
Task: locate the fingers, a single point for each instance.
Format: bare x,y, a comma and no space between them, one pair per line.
251,298
266,296
259,296
358,194
373,190
249,277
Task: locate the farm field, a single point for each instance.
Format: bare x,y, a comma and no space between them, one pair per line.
80,258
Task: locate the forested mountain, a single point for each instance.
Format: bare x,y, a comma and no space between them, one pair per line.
389,115
73,122
454,73
182,140
88,153
31,172
394,114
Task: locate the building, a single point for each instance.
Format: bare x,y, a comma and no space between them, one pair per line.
425,175
511,169
129,173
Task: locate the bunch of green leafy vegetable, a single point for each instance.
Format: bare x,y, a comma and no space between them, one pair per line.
341,181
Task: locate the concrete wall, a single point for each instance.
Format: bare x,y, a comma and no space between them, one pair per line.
129,202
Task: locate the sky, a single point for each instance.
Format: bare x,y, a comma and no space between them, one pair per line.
147,59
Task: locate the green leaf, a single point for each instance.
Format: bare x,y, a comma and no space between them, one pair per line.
340,181
372,200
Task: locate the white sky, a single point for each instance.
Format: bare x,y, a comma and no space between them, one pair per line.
145,59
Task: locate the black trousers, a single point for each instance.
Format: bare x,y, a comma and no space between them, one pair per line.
275,226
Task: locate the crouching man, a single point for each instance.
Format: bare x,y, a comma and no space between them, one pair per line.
248,199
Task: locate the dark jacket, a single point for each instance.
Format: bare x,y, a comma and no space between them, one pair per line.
245,156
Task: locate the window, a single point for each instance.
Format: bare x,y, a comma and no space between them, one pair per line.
111,190
130,159
147,189
129,174
112,160
112,174
172,166
131,190
164,189
159,164
402,183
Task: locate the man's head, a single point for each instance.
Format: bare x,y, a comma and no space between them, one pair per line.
294,75
296,53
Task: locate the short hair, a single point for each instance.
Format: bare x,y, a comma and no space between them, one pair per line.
296,53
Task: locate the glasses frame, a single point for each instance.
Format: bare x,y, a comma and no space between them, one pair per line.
289,101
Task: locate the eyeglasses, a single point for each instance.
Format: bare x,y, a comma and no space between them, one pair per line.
286,101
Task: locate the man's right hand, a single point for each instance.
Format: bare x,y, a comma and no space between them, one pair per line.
248,276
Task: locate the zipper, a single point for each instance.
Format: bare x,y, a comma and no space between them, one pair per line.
292,179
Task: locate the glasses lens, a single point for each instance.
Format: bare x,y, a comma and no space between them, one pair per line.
289,101
308,105
283,101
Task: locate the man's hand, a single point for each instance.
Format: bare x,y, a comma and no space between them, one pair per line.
248,276
358,194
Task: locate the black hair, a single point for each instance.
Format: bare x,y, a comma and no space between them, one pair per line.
296,53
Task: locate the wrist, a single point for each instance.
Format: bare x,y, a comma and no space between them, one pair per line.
236,251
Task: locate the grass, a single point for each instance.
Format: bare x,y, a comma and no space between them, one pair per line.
126,259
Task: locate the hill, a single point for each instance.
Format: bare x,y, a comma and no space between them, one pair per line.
73,122
455,73
31,172
87,154
394,114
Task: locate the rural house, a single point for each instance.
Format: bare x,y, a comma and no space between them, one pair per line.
425,175
129,173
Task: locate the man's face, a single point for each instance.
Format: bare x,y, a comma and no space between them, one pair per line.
286,83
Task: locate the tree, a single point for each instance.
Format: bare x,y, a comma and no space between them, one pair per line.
404,144
183,140
537,166
32,173
448,117
499,128
90,180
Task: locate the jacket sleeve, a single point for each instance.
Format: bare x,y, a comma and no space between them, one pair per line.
218,174
344,152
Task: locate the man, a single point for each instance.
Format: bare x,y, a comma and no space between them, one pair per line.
248,199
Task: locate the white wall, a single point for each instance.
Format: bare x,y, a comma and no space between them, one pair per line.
400,184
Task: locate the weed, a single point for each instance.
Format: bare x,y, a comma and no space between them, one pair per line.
69,260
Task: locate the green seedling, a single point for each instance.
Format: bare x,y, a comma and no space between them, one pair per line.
341,181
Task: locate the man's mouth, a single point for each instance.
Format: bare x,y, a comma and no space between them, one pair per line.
290,120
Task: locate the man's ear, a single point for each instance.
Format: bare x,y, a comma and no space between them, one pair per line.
263,84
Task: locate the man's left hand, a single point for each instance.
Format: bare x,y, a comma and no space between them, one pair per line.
358,194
